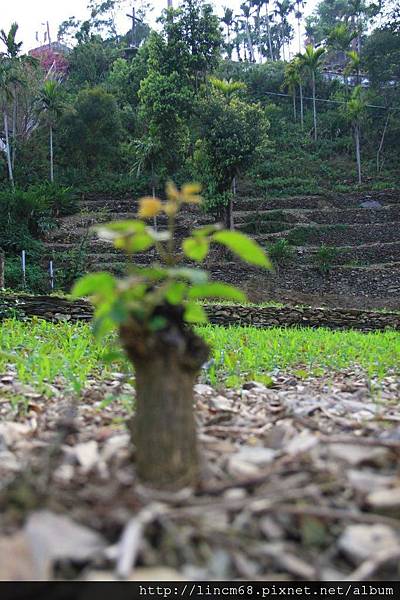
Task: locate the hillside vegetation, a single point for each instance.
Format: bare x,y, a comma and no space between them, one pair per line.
206,97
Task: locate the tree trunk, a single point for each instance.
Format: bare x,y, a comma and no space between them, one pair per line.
163,428
51,156
237,43
229,221
230,48
301,106
250,43
378,154
271,54
153,192
229,215
294,106
9,163
14,127
1,269
299,32
358,152
283,40
257,24
314,107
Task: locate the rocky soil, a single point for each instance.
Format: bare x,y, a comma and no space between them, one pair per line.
299,482
362,228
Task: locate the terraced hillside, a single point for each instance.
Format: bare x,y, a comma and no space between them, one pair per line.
341,250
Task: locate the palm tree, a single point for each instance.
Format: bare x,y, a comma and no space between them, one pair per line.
147,151
355,110
291,81
227,20
17,61
283,10
294,72
356,9
268,23
237,23
228,89
298,14
300,70
310,61
339,39
354,65
50,104
257,4
6,83
246,11
13,49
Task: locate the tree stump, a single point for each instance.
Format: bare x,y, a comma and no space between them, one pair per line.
163,429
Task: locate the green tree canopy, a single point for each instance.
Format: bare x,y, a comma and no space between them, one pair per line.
92,128
233,133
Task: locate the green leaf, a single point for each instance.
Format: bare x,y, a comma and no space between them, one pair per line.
176,292
102,326
118,312
246,248
151,273
206,230
196,248
99,284
135,291
157,323
134,243
113,356
111,230
195,313
217,290
192,275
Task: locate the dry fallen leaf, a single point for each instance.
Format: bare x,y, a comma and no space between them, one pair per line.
17,562
53,537
361,542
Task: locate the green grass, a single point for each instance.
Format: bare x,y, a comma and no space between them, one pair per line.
42,352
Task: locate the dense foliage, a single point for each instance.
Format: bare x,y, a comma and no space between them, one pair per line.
206,97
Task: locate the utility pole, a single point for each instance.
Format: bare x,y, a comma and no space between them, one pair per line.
170,4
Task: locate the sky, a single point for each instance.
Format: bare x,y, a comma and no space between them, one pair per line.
31,15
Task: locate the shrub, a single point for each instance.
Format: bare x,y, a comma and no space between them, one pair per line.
37,279
325,257
280,252
299,236
58,200
25,215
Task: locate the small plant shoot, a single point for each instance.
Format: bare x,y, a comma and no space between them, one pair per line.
154,309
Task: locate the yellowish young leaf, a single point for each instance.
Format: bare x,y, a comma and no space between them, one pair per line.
170,208
191,193
191,189
149,207
172,191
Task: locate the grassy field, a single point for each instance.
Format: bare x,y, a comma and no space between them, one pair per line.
42,352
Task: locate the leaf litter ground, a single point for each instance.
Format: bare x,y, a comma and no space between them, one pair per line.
300,481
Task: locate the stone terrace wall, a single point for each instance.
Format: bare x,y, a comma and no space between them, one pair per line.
303,317
53,308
